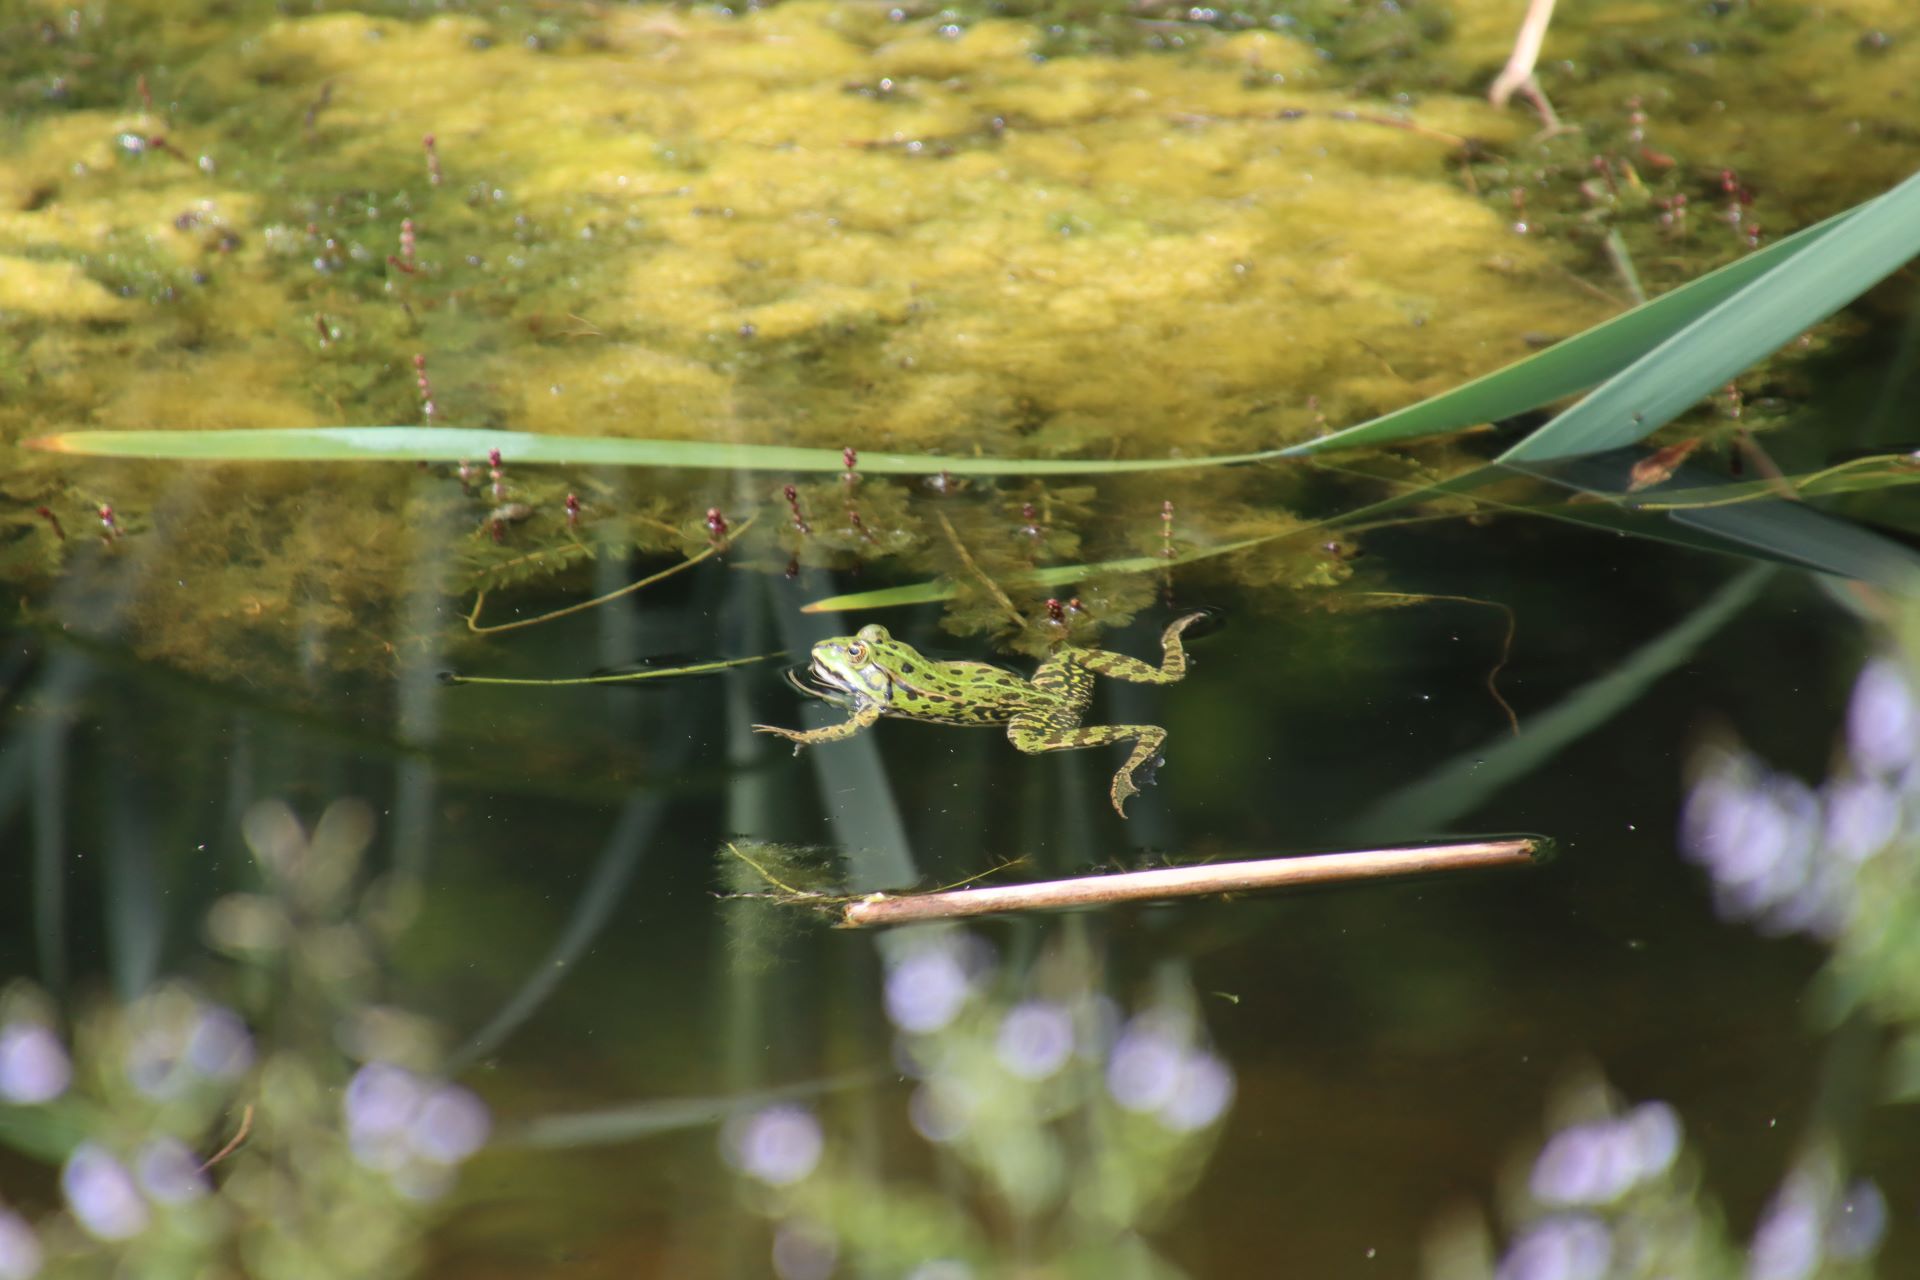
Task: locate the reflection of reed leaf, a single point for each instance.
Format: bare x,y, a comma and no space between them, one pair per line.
655,1117
1461,784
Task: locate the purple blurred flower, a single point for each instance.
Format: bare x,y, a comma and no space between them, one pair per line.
939,1111
804,1251
449,1125
926,988
1758,835
33,1064
1146,1064
1564,1247
1862,817
379,1107
1598,1162
1786,1245
1653,1134
1201,1093
153,1061
101,1194
381,1099
20,1254
1858,1223
219,1046
1036,1039
779,1145
169,1172
1883,729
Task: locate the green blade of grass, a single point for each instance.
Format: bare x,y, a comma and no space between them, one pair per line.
1773,529
459,444
1756,320
1580,361
1058,575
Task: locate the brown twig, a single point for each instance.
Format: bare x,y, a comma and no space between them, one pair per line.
1189,882
473,616
233,1143
1517,75
960,549
1506,641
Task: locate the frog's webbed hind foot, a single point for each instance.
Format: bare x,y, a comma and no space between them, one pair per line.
1035,734
1132,776
798,738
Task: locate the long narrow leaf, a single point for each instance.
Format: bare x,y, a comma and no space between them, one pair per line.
1580,361
1774,529
1058,575
457,444
1750,324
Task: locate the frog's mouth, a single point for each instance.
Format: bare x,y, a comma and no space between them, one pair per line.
826,675
817,681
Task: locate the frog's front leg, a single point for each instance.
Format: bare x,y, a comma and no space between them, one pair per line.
862,718
1036,732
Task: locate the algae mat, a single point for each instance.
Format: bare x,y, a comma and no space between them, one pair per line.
822,224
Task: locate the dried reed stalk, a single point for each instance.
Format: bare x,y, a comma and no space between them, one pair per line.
1190,882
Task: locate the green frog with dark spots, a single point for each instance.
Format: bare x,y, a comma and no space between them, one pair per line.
872,675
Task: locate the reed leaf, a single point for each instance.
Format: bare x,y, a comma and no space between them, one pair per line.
1761,316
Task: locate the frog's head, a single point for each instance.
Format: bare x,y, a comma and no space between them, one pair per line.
862,665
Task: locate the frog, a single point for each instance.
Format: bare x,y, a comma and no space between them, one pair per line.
873,675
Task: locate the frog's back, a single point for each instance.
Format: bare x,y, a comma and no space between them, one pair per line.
962,693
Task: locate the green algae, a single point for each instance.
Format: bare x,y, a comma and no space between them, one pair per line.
1012,231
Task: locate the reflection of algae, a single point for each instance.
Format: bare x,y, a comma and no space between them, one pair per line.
813,223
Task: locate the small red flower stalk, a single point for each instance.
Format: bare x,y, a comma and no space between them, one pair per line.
420,380
800,524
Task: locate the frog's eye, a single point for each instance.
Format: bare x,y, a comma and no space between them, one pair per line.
856,653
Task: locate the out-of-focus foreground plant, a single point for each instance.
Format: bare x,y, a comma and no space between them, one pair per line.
1061,1126
297,1132
1612,1194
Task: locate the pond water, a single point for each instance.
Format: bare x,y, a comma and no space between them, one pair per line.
322,963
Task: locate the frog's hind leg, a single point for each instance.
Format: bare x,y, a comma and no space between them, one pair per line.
1119,666
1039,731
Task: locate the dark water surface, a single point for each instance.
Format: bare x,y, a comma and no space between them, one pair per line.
1392,1044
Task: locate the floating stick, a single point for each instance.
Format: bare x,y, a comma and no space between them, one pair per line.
1192,882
